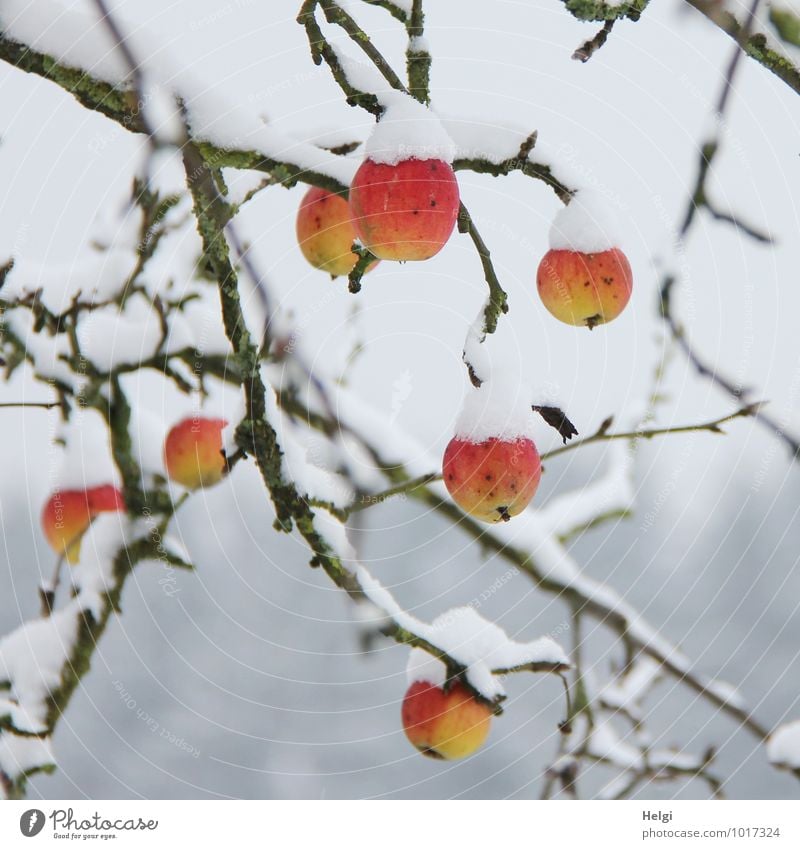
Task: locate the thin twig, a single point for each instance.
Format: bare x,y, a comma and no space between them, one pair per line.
697,200
41,405
602,434
371,499
497,303
134,67
335,14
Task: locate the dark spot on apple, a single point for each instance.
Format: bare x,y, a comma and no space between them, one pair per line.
433,202
431,753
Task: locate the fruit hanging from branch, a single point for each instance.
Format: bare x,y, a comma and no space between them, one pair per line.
446,722
325,232
492,480
193,452
404,211
68,513
404,197
491,466
585,279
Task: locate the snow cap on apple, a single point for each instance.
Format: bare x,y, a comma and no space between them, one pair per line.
404,197
442,719
491,465
585,279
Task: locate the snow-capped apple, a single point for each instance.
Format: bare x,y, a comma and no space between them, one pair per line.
68,513
404,197
584,279
493,479
193,452
491,467
326,233
406,210
446,721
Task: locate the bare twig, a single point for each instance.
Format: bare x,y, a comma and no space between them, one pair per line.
371,499
755,44
602,434
497,303
698,200
41,405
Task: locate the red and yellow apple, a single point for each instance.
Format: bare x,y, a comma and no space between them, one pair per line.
404,211
585,288
445,722
193,452
68,513
492,480
326,233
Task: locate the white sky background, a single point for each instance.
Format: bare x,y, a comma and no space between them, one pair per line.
629,122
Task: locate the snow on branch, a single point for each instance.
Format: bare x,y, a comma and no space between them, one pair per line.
499,149
468,644
530,545
783,747
43,660
612,495
227,135
610,729
262,434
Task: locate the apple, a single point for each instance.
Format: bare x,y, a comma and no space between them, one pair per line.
492,480
68,513
406,210
326,233
193,452
445,722
585,288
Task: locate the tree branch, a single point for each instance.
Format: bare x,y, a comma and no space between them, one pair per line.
755,44
418,59
602,434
